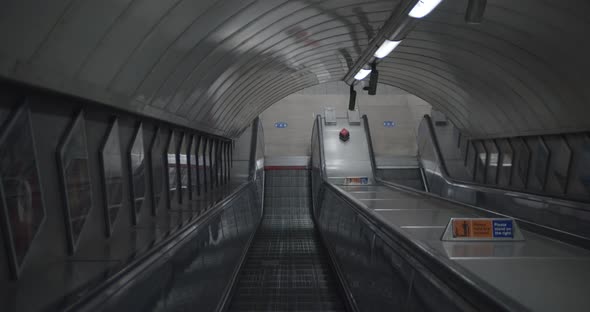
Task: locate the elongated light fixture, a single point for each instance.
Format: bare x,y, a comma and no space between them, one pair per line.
423,7
386,47
362,74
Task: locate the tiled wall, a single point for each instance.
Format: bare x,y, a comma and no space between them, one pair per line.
390,104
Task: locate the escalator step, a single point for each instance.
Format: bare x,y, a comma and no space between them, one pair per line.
286,267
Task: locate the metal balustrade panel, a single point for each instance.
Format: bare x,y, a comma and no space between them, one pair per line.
505,163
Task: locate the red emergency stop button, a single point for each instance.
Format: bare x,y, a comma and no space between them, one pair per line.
344,135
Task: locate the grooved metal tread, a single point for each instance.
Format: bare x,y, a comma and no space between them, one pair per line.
286,267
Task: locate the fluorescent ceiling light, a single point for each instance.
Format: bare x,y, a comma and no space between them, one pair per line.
386,47
423,7
362,74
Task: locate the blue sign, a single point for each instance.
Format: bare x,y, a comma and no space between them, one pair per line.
503,228
281,125
388,124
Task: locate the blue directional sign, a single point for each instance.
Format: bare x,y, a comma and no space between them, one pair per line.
281,125
503,228
388,124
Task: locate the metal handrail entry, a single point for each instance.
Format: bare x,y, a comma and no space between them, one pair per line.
345,290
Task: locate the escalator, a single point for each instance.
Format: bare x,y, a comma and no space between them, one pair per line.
337,237
287,268
387,242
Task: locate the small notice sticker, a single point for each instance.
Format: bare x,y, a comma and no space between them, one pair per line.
356,180
481,229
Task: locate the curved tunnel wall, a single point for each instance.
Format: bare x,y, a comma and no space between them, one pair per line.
216,65
519,72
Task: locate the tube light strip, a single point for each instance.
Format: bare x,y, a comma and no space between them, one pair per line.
362,74
386,47
423,7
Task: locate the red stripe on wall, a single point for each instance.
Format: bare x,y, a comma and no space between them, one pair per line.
286,168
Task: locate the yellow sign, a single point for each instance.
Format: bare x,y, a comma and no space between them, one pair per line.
472,228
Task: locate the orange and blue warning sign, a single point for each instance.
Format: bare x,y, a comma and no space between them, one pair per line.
481,229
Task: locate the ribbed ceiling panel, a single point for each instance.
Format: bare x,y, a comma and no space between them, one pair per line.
519,72
215,65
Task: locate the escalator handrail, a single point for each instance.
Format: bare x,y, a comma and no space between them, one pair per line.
473,289
345,288
91,300
321,147
230,290
370,145
253,146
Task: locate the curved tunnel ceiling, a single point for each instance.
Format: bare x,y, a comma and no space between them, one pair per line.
215,65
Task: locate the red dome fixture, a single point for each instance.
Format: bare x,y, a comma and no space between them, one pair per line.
344,135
